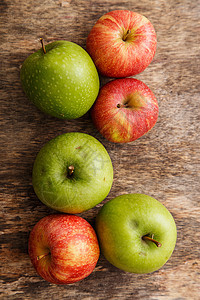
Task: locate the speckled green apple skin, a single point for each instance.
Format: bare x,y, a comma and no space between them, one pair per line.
121,224
92,178
63,82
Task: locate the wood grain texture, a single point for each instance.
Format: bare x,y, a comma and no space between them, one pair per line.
164,163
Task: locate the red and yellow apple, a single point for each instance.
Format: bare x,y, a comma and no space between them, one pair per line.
125,110
122,43
63,248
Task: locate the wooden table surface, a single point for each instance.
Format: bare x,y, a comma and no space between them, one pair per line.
164,163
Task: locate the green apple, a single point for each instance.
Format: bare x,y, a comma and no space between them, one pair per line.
72,173
136,232
60,79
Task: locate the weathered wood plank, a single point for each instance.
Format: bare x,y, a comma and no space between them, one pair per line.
164,163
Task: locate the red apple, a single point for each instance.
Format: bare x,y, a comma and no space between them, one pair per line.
124,110
63,248
122,43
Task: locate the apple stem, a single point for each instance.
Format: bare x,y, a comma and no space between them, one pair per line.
147,238
122,105
43,46
126,35
70,170
42,255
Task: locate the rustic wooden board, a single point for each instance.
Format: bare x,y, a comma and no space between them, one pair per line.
164,163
